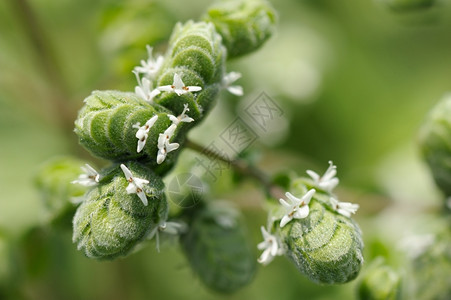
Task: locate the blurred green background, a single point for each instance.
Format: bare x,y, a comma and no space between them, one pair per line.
353,78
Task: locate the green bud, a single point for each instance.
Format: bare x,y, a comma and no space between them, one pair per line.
106,126
197,47
435,143
111,221
243,24
326,246
197,55
53,181
379,282
217,249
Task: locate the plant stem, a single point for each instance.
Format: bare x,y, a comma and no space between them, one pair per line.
241,166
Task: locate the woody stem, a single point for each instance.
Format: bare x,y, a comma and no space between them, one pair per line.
241,166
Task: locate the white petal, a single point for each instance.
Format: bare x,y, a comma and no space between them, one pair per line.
175,227
90,170
265,258
192,88
146,85
160,157
141,144
237,90
151,121
313,175
180,91
329,185
127,172
294,200
186,119
140,92
143,197
162,140
85,181
178,83
131,188
165,88
302,212
351,207
262,245
344,212
285,220
334,202
286,204
159,62
141,133
331,171
173,119
265,233
139,182
170,130
308,196
231,77
171,147
154,93
274,247
149,50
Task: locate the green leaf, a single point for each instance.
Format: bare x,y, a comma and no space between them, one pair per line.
217,249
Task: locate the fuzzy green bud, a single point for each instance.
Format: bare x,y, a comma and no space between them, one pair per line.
380,282
54,182
325,245
197,55
435,143
114,217
107,127
217,249
244,25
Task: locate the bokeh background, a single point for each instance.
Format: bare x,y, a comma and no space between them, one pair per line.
353,78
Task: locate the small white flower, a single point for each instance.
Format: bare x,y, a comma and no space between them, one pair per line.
164,146
135,185
270,247
173,228
183,117
228,80
150,67
143,132
144,89
179,87
328,181
344,208
297,208
90,177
